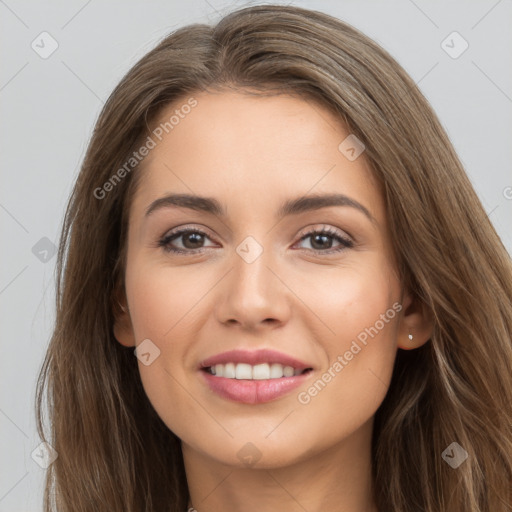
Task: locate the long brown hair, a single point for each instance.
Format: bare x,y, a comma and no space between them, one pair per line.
114,452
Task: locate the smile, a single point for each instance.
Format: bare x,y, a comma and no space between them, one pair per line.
253,377
245,371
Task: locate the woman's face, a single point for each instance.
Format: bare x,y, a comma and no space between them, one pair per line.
259,274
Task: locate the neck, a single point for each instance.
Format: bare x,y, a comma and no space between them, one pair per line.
337,478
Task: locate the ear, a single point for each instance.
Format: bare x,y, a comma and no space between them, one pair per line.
123,329
416,325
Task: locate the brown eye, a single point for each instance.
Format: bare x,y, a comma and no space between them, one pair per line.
322,240
191,240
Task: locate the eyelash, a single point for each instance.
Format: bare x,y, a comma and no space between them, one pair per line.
164,242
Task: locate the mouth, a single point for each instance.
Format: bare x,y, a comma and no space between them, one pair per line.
263,371
253,377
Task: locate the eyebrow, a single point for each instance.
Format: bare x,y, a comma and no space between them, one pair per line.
290,207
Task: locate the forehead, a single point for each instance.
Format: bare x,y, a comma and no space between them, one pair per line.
251,150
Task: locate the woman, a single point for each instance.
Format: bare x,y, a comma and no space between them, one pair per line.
271,218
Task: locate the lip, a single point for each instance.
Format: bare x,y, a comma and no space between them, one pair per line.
254,391
253,358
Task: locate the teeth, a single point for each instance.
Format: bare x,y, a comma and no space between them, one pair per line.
229,371
288,371
258,372
243,371
261,371
276,371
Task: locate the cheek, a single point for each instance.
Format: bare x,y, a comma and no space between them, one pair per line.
361,312
348,301
162,304
162,300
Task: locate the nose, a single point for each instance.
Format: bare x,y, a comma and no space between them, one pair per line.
253,294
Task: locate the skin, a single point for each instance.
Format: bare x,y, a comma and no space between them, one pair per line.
251,153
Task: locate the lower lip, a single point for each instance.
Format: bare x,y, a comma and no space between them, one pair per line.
253,391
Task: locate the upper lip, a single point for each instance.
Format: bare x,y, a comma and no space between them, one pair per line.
254,357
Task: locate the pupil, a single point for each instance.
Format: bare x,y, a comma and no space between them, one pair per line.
198,239
323,237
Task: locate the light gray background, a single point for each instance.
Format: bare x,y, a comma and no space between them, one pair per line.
49,106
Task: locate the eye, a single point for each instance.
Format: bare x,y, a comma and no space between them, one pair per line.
191,241
321,240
